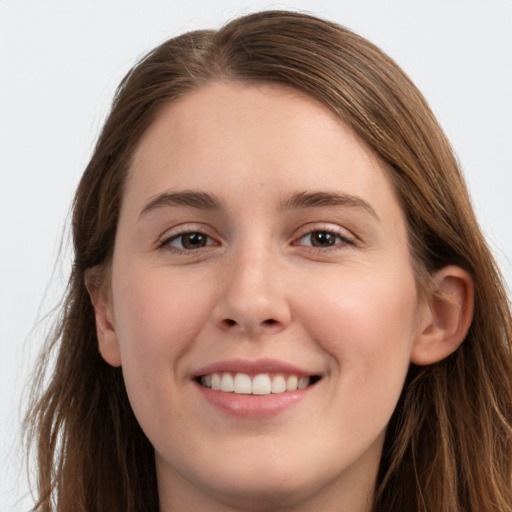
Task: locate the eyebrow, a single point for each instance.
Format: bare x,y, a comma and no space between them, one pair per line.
208,201
319,199
190,198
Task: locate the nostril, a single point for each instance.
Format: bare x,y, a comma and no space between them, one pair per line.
229,322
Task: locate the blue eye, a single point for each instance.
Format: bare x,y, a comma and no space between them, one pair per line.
188,241
323,239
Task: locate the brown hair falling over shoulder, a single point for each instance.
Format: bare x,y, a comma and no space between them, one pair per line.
449,443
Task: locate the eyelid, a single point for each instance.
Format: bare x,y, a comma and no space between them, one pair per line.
348,238
313,227
183,229
170,240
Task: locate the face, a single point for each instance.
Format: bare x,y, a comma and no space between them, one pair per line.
263,303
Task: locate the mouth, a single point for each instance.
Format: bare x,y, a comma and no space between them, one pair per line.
255,390
256,384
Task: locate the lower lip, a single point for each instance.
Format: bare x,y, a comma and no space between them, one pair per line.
253,406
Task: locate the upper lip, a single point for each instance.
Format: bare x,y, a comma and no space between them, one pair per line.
253,367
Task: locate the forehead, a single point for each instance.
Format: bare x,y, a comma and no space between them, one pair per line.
258,136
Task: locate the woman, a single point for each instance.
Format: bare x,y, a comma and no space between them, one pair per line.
281,299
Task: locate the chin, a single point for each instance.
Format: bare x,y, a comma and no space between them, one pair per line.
266,486
262,492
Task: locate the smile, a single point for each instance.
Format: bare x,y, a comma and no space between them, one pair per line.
255,390
260,384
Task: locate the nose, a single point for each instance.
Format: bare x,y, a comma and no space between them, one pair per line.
253,298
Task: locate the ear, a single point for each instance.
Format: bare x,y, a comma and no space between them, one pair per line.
446,317
107,338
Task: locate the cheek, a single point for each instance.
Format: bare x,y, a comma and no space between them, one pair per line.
154,309
157,320
366,322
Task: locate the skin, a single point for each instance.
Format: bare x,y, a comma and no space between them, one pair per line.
259,288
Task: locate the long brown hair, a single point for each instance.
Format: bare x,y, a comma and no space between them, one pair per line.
449,442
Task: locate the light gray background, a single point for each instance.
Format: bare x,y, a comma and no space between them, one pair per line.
60,62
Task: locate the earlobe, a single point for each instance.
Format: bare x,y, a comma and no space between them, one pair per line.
105,328
447,318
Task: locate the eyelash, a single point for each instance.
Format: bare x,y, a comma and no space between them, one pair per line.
166,242
344,241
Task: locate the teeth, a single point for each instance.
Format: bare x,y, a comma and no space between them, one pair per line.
278,384
262,384
243,384
291,383
227,383
215,381
303,382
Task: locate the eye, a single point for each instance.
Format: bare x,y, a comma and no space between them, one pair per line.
188,241
323,239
